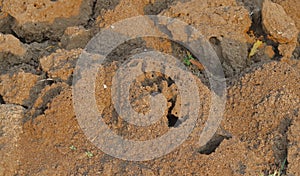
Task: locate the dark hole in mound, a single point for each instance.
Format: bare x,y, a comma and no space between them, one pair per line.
213,144
1,100
172,119
154,78
214,41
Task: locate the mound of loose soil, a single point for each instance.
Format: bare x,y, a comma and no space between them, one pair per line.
41,41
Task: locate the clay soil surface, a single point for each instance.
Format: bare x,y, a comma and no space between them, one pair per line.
256,41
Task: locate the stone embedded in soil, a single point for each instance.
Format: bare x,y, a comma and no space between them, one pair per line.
16,88
10,129
60,65
42,19
277,23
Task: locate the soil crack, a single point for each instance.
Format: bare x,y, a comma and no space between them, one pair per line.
280,146
92,18
1,100
214,142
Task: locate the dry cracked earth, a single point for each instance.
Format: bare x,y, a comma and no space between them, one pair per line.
41,41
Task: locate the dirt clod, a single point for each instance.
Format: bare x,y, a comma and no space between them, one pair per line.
60,65
277,23
41,20
15,89
280,27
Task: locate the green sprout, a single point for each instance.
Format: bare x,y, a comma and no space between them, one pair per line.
187,59
89,154
72,147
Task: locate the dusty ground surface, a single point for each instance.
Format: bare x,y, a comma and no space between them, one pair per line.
41,41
